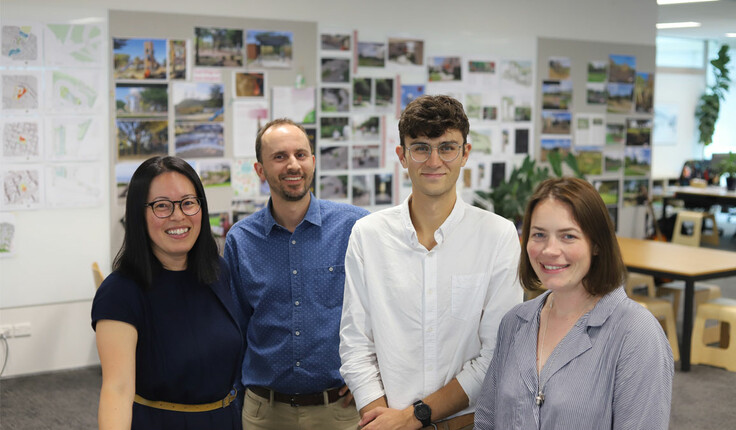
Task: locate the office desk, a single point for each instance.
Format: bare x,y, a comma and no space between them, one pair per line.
700,197
690,264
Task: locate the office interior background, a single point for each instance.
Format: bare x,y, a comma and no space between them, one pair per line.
47,283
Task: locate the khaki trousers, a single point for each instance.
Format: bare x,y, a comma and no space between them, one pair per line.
260,414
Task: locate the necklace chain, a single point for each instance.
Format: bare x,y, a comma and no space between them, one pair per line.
539,398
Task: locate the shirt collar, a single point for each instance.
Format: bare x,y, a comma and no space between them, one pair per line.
458,211
313,215
600,313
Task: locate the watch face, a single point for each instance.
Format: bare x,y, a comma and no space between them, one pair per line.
422,412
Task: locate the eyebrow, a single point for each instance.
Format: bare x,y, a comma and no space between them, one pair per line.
441,143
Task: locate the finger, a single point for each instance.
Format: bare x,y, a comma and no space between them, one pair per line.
348,400
343,390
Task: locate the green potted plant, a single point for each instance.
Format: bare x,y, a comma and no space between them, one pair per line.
727,166
710,102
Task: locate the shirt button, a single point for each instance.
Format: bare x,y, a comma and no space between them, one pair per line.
331,269
293,271
296,303
293,242
297,332
298,363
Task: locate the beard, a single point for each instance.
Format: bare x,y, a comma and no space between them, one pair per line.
277,186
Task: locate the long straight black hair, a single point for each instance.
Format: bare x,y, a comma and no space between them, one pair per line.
135,258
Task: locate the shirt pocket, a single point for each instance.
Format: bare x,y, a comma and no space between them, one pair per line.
467,298
328,284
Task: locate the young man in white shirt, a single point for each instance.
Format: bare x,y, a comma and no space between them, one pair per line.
427,283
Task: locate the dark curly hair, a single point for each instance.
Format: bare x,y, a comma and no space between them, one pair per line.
432,116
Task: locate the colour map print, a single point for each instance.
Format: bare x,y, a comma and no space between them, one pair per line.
21,188
19,45
20,92
21,140
73,45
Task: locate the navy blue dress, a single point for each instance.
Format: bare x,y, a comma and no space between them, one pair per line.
189,345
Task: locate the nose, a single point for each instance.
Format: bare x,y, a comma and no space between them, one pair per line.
178,212
434,158
551,247
293,162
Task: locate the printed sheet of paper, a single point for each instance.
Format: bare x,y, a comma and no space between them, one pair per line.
21,139
248,117
21,45
7,235
74,45
78,91
21,91
22,187
73,185
73,138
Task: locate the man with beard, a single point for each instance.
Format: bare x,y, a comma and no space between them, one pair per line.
287,273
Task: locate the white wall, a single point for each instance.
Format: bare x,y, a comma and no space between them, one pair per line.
62,337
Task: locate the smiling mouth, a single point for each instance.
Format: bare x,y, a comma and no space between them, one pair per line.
177,231
550,267
292,178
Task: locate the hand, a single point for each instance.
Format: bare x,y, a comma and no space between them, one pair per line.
382,418
348,400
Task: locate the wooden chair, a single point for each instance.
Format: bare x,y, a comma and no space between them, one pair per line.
97,275
660,308
697,218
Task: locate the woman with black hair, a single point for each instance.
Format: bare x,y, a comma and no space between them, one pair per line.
166,328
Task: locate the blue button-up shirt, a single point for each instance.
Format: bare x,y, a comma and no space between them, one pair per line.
289,287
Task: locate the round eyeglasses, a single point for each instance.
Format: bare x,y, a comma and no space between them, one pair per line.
165,208
447,151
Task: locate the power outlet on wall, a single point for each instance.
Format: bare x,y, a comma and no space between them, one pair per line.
6,331
22,329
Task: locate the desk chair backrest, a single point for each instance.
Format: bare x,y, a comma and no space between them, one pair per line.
97,274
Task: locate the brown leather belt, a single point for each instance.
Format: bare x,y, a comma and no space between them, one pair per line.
180,407
454,423
313,399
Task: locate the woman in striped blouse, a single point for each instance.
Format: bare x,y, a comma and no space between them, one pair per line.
582,355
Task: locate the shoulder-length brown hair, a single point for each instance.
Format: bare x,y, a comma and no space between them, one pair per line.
607,271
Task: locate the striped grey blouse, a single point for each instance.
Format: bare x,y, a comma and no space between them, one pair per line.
613,370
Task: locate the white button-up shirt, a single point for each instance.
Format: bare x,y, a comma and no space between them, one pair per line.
415,319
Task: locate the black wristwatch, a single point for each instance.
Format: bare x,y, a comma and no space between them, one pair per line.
423,413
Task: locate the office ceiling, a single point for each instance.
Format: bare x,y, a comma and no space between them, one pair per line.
717,19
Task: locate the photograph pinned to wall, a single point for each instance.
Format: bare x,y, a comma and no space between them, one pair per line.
74,45
405,52
22,187
270,48
362,93
620,98
73,138
596,93
498,174
242,208
444,69
22,140
638,132
473,105
590,159
557,95
613,161
644,92
615,134
521,141
334,129
481,73
371,54
333,187
74,91
335,42
333,158
490,113
621,69
507,108
637,161
198,101
559,68
134,100
560,144
21,92
123,172
409,93
248,117
218,47
384,91
335,100
608,190
220,223
20,45
556,122
482,140
249,84
335,70
665,124
516,73
139,58
138,139
299,104
366,156
597,71
214,173
244,180
383,186
73,185
178,67
362,190
635,192
366,128
522,111
199,139
7,235
590,129
505,140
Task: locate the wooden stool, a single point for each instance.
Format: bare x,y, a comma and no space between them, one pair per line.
697,218
703,293
662,310
724,311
